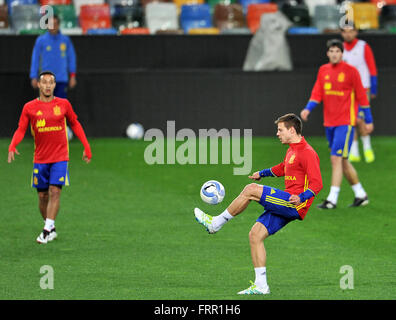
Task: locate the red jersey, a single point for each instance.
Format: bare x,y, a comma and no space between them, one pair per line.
340,88
48,126
301,169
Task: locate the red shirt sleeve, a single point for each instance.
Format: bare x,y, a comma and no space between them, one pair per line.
369,57
361,95
78,129
279,169
20,132
317,91
311,165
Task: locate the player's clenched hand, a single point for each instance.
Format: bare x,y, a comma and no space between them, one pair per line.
11,155
304,114
294,199
86,158
255,176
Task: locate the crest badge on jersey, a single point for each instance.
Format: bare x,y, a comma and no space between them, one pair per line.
57,111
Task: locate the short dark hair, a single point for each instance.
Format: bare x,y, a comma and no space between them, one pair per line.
43,73
335,43
291,120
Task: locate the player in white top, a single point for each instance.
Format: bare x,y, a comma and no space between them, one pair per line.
359,54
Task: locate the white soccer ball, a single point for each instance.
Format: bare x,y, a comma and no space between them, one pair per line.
70,134
212,192
135,131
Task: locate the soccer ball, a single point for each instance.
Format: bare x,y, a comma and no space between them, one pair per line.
212,192
135,131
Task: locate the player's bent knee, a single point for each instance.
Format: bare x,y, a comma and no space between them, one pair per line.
253,191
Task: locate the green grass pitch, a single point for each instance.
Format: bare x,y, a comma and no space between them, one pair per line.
127,231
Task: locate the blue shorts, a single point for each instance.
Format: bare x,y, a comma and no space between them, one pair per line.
340,140
45,174
278,210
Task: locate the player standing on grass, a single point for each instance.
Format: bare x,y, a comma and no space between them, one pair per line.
303,182
358,53
47,117
339,86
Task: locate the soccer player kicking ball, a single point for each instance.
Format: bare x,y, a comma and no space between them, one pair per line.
340,88
303,181
47,116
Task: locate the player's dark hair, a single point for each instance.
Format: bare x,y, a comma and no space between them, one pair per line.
291,120
335,43
56,17
46,72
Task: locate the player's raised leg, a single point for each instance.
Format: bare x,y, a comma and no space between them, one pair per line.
213,224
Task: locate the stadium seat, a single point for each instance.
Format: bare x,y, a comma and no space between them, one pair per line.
161,16
79,3
55,2
255,11
228,16
25,17
195,16
365,15
388,17
95,16
180,3
245,4
302,30
113,3
311,4
36,32
198,31
12,3
3,17
67,16
99,31
298,14
213,3
135,31
327,18
127,16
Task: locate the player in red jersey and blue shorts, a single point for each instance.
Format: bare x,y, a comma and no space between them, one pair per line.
303,181
47,116
339,87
